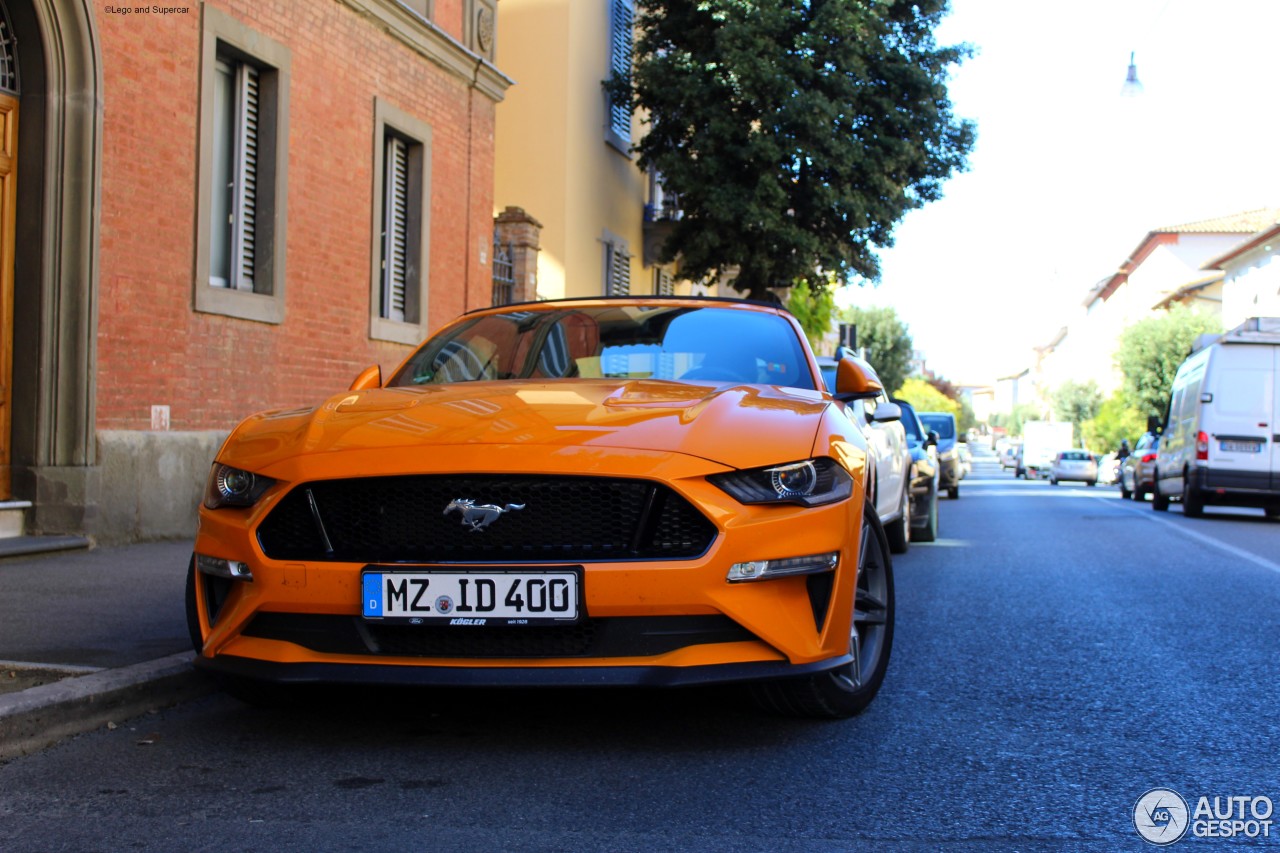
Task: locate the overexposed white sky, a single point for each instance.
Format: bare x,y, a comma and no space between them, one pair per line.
1067,177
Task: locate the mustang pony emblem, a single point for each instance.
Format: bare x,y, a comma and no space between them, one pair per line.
477,518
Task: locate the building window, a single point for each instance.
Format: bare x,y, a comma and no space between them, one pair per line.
236,102
664,283
240,251
398,298
621,33
617,267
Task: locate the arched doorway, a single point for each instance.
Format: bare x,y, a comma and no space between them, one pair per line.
8,197
52,260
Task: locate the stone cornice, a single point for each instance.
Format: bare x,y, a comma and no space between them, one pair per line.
434,44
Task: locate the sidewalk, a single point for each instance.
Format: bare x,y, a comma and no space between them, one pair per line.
89,637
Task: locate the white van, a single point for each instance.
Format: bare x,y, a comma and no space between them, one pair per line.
1221,438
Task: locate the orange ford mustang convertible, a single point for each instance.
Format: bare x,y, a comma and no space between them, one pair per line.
643,491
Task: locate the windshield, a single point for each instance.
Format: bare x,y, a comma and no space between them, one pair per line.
615,342
910,423
943,425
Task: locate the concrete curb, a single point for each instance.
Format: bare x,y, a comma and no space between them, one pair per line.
36,718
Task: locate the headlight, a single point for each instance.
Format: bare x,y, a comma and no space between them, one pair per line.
813,482
233,487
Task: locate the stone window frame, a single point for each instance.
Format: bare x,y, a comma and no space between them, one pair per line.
390,120
222,36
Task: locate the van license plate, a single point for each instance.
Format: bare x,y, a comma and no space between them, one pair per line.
1240,446
493,599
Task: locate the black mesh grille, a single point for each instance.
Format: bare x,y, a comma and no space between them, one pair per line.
615,637
402,519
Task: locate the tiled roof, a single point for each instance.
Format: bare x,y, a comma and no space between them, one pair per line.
1247,222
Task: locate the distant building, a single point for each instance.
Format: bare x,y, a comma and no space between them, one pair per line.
563,150
1165,267
1250,276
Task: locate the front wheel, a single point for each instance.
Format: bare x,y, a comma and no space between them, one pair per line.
1159,501
847,690
929,532
899,530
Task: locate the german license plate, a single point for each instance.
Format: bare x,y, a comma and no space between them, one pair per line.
1240,446
490,598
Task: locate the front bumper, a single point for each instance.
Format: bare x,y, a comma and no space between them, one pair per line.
299,674
785,626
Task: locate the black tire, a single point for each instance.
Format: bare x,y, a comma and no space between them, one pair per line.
847,691
899,531
929,532
1091,483
1053,481
954,492
1159,502
1192,500
1272,512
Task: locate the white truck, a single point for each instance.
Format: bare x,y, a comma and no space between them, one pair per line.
1041,441
1221,440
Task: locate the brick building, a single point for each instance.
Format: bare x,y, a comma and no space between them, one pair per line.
212,208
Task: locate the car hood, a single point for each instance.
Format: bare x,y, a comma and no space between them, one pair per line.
740,426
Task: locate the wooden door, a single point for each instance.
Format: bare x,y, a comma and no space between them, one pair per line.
8,200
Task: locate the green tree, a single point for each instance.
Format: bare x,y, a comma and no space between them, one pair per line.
813,310
925,398
1075,403
1117,419
1013,421
1151,351
795,134
887,342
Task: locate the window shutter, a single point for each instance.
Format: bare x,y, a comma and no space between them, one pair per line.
246,190
666,283
395,224
617,270
622,24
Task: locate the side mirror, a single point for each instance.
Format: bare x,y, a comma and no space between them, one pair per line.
854,383
886,412
370,377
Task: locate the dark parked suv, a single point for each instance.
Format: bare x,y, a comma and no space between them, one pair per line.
951,472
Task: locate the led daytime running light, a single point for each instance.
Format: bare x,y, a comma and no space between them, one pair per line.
759,570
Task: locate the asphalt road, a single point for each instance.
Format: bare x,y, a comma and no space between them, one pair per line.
1059,652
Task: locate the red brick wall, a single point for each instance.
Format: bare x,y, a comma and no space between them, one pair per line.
153,348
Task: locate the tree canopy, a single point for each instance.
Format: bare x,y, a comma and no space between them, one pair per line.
1076,403
813,310
1152,350
925,398
796,133
886,340
1115,421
